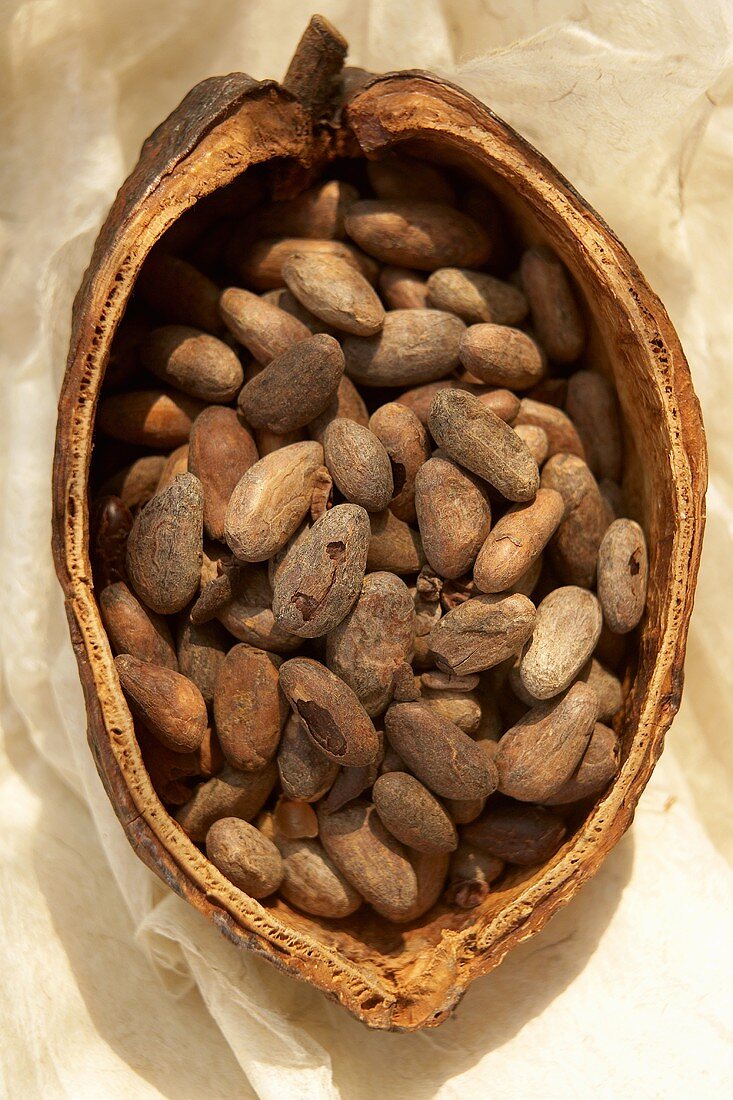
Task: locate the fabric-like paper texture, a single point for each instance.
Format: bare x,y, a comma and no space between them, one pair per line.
114,987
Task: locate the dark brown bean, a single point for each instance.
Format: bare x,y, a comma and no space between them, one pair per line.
358,464
169,704
194,362
134,629
482,632
515,832
221,450
249,708
164,548
413,814
266,331
330,712
312,369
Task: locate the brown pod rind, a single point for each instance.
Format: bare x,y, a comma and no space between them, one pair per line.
406,442
470,875
316,213
261,267
358,464
542,750
574,547
133,628
170,705
412,814
231,793
306,773
478,439
592,405
623,571
516,541
249,708
330,712
164,549
482,632
517,833
370,858
201,652
565,633
502,356
555,314
266,331
331,289
194,362
244,856
400,177
393,546
440,754
294,388
562,436
179,292
402,288
373,640
598,766
138,482
453,514
413,346
271,500
312,882
321,580
150,418
422,235
247,614
221,450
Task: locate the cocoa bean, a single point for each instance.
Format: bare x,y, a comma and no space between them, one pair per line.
481,633
243,855
201,652
261,267
555,313
566,630
422,235
502,356
221,450
231,793
475,297
574,547
358,464
400,177
595,771
264,329
169,704
164,548
623,571
413,346
403,289
470,875
177,291
453,514
412,814
311,369
592,406
249,708
306,773
331,289
330,712
194,362
516,541
134,629
516,833
316,213
346,402
561,433
393,546
406,442
151,418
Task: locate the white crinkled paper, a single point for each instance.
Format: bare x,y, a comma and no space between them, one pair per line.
114,988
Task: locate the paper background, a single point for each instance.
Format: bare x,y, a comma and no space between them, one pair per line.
113,989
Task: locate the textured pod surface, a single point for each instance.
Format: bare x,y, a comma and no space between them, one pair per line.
134,629
374,639
478,439
358,464
372,860
221,450
454,516
482,632
266,331
310,370
321,580
516,541
413,814
439,753
623,572
271,501
169,704
423,235
331,289
565,633
413,346
538,755
230,793
165,546
330,712
244,856
194,362
249,707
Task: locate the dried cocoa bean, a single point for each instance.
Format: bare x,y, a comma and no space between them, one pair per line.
555,314
476,438
221,450
595,771
264,329
311,369
194,362
306,773
536,440
440,754
262,267
413,346
359,464
393,546
136,483
422,235
231,793
502,356
565,633
400,177
516,833
516,541
244,856
561,433
151,418
312,882
453,514
164,548
347,402
179,292
623,571
403,289
295,819
470,876
406,442
476,297
175,464
592,406
330,288
460,707
330,712
249,707
169,704
574,548
201,652
316,213
412,814
481,633
134,629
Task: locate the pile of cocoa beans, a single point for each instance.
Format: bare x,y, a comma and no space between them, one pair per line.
367,574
